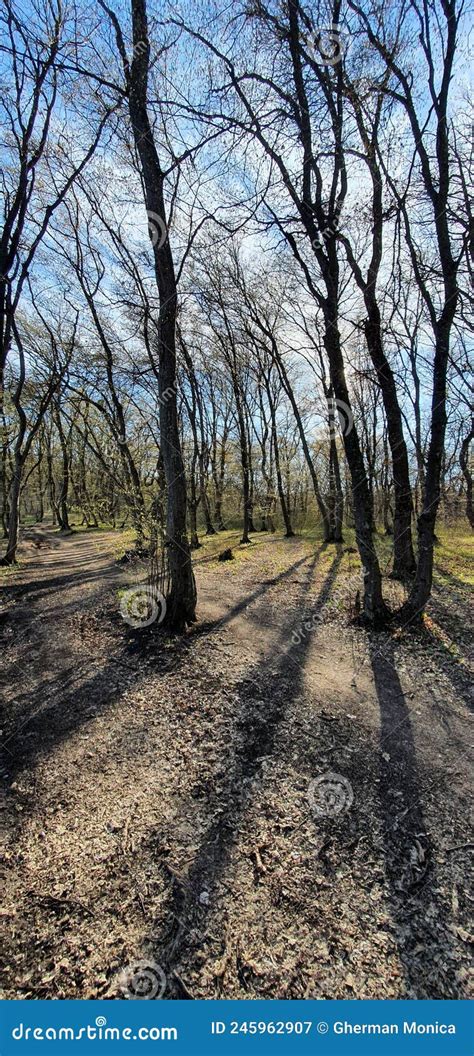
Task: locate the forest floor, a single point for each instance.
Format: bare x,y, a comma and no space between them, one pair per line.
168,800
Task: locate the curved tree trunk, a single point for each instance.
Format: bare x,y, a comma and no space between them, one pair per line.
14,514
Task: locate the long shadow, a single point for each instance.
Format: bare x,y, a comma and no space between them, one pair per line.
53,722
459,678
200,559
417,910
455,626
26,625
205,559
40,587
462,602
83,557
455,581
454,605
256,723
209,625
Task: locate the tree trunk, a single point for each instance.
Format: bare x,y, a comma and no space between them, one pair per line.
210,530
14,518
218,467
192,505
251,526
218,514
219,477
336,506
4,489
403,556
385,485
181,600
466,471
62,503
193,499
281,491
374,606
421,590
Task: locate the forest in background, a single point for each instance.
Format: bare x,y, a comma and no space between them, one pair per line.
236,250
235,267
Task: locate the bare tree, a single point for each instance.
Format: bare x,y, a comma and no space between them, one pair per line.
181,603
56,361
35,47
436,30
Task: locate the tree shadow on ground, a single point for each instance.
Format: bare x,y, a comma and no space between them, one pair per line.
418,910
454,667
451,611
42,586
55,719
454,581
260,711
259,714
142,643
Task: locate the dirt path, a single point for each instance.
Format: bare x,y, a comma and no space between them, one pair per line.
163,799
